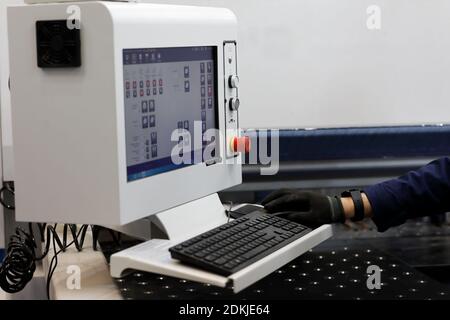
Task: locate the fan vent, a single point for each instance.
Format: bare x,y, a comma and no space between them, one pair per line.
57,45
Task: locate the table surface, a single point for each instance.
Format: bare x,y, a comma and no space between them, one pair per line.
334,270
95,281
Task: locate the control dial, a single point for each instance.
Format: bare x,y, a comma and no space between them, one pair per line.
234,104
233,82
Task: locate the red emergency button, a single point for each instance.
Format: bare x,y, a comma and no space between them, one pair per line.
241,144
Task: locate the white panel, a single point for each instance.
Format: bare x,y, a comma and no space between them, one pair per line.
69,130
5,99
314,63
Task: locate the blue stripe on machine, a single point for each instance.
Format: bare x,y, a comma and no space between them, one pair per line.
361,143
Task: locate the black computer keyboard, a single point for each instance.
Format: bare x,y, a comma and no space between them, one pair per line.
237,244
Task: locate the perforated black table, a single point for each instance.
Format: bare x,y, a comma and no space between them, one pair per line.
334,270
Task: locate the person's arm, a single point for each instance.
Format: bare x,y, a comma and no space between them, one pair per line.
425,191
421,192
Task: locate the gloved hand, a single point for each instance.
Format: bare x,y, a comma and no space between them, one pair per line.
305,207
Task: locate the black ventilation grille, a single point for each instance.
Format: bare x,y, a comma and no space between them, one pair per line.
57,45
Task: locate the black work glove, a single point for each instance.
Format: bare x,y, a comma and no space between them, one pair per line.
305,207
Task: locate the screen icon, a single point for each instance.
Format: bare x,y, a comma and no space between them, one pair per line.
202,67
187,86
210,91
155,91
203,115
209,79
186,71
202,80
180,124
144,122
154,151
154,136
210,103
209,67
203,103
151,105
144,106
152,121
186,125
203,91
160,90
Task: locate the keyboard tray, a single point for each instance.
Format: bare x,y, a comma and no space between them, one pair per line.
154,256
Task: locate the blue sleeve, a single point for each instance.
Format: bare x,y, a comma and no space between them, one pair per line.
422,192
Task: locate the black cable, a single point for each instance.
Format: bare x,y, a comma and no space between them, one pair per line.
7,187
54,261
229,211
19,264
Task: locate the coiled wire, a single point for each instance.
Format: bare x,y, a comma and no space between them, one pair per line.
19,264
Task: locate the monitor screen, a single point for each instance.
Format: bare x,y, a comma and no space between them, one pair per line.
167,91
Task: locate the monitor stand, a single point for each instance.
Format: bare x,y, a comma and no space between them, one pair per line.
191,219
182,222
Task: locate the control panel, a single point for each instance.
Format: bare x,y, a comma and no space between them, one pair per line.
232,102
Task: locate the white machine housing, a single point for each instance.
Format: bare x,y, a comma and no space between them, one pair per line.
68,124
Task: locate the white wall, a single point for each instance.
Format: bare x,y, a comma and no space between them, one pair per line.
314,63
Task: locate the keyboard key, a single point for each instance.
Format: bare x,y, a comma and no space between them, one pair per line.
254,252
220,261
280,224
210,258
222,251
238,261
200,254
229,265
268,237
233,255
290,234
297,229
